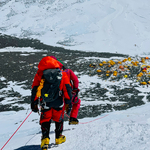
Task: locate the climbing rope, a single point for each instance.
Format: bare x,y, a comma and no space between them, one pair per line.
89,121
16,130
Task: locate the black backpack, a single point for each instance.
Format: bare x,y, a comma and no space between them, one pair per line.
51,91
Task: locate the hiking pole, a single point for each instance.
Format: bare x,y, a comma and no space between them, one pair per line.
16,130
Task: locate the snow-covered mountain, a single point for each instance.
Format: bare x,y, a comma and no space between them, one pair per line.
120,130
114,26
91,25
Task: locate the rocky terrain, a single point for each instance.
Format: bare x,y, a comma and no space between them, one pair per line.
112,92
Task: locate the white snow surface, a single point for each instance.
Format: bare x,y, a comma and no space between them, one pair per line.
121,26
119,130
118,26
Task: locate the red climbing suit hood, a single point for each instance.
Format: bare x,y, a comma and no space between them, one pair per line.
61,65
48,63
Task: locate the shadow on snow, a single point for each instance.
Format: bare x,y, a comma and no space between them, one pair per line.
35,147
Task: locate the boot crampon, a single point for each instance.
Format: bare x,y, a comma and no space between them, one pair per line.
60,140
73,121
45,143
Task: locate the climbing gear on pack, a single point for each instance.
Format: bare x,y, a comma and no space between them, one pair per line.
38,94
68,108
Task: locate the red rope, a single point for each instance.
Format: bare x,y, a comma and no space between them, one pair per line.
93,120
16,130
89,121
67,115
30,114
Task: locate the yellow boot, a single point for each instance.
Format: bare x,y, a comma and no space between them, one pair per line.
60,140
45,143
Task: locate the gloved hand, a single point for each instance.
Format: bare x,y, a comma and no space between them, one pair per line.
75,92
34,107
68,108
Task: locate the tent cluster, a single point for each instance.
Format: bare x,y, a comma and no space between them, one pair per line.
130,68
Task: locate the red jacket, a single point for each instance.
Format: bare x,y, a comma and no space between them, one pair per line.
73,78
50,63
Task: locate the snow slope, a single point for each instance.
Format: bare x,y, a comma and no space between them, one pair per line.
119,130
89,25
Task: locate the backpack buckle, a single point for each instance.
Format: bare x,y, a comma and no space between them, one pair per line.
60,93
43,105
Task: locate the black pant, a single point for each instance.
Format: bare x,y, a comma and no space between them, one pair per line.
45,127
